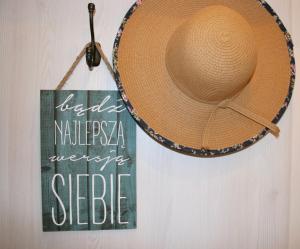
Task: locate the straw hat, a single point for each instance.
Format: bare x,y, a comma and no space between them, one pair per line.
206,78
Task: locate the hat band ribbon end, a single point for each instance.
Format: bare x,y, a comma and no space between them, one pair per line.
228,104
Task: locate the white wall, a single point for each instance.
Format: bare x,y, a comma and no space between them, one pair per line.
246,200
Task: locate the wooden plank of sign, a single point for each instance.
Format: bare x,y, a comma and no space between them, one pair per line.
74,221
48,149
128,206
100,210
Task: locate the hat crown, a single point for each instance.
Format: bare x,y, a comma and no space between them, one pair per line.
212,55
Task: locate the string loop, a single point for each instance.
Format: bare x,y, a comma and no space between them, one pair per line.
78,59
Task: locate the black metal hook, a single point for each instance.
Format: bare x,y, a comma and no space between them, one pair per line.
93,57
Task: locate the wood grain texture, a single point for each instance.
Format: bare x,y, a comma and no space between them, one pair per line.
240,201
48,168
7,36
295,171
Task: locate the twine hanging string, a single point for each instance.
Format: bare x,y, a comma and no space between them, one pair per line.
106,61
78,59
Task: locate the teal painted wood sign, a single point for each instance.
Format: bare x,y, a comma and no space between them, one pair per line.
88,161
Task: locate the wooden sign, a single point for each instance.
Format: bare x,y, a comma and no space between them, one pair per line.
88,161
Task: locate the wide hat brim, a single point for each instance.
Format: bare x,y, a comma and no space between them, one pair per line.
173,118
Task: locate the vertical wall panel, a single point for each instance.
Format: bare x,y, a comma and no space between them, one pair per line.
7,36
295,173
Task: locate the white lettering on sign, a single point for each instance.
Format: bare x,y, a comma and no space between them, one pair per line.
77,133
99,203
101,107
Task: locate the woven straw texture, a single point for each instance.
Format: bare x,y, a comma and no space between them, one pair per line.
177,60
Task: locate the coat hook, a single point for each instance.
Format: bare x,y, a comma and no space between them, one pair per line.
93,57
